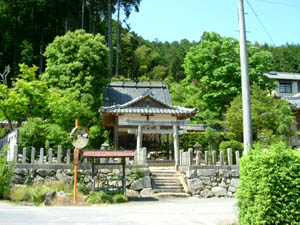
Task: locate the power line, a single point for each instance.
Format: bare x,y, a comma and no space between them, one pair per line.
280,3
261,23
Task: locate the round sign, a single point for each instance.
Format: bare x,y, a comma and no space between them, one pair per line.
79,137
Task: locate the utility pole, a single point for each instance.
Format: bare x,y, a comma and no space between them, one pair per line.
82,14
247,124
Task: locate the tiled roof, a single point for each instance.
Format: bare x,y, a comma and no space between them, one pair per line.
130,109
294,100
283,76
119,93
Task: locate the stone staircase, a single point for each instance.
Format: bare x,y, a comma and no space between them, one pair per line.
165,182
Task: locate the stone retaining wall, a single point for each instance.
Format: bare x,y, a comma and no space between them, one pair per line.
138,180
210,181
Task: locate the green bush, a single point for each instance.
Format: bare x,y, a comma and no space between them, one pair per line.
120,198
269,186
235,145
35,193
190,139
6,175
102,197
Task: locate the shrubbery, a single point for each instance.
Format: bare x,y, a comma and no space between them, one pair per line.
269,186
36,193
102,197
6,174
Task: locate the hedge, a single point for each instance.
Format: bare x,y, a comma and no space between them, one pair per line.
269,191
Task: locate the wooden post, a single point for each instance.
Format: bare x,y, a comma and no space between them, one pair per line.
59,154
93,174
41,155
123,176
229,155
32,155
24,155
206,157
116,133
222,158
176,144
168,147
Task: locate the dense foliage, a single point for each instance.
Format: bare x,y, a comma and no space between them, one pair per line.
271,118
269,186
6,174
78,62
102,197
213,72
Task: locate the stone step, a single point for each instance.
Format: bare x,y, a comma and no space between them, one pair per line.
165,186
159,190
164,176
167,182
171,194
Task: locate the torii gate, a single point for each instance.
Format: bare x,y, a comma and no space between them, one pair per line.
172,123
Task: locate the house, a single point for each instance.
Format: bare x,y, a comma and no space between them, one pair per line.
289,89
143,102
288,83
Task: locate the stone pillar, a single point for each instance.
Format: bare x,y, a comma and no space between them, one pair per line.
198,158
59,154
41,155
139,138
176,145
50,156
191,155
222,158
229,155
15,153
237,158
206,157
24,155
214,157
68,156
32,155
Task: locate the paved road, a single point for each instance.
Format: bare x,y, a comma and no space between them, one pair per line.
182,211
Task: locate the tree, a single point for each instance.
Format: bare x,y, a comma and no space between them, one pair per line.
27,97
271,117
78,61
213,68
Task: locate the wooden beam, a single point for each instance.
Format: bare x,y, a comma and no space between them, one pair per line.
156,131
156,122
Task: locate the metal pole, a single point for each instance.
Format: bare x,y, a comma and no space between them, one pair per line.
82,14
76,159
247,125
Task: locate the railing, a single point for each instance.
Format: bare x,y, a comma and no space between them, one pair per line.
41,156
209,158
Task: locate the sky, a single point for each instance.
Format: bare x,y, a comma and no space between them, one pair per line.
174,20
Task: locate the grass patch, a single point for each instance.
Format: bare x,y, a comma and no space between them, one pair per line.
35,193
105,198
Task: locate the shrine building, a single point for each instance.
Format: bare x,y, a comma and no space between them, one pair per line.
135,101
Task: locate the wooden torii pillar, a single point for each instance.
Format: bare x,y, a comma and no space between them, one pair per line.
171,123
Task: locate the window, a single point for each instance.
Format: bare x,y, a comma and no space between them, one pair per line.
285,87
